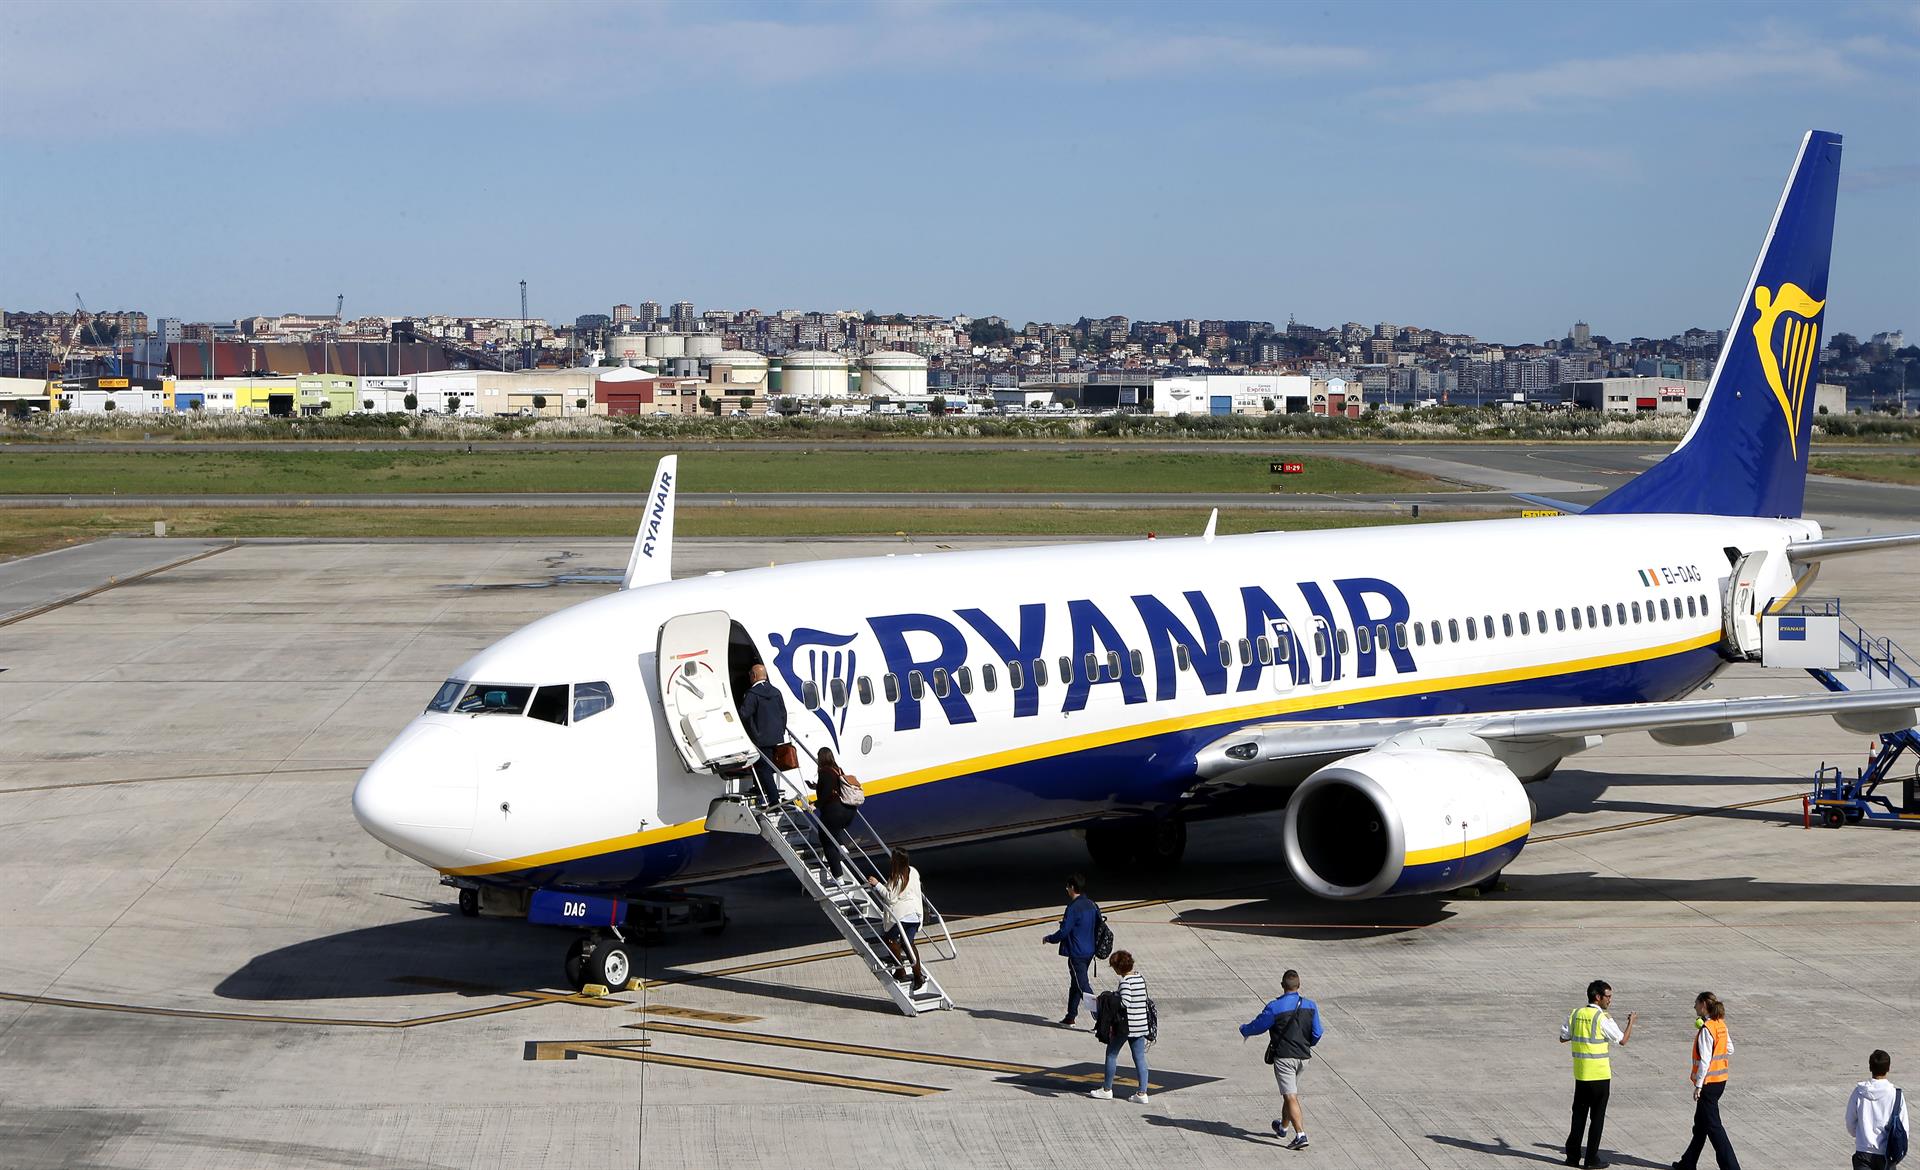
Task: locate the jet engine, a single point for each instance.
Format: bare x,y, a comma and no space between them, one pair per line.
1405,821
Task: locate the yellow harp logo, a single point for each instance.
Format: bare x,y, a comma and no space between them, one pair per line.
1789,318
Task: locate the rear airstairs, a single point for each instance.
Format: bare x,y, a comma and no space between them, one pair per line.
791,829
1867,663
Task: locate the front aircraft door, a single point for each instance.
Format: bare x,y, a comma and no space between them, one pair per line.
1740,617
1289,655
702,719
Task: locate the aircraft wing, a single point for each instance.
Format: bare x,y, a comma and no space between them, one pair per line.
1528,740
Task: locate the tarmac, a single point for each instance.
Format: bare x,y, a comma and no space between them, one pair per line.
204,962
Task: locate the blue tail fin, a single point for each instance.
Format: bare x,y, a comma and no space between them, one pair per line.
1746,453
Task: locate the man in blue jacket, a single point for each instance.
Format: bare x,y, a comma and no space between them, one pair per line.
1292,1025
1075,937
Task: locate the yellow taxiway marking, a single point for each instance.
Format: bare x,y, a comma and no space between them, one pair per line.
638,1050
907,1055
1679,816
661,1009
521,1001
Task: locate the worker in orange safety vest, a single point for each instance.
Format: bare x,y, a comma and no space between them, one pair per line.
1712,1060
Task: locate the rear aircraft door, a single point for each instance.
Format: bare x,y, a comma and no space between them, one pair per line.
702,719
1740,617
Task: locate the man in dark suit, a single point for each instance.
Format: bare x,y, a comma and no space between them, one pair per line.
764,713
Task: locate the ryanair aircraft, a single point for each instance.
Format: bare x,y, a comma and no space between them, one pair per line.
1392,688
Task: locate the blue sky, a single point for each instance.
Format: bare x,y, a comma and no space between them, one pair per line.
1501,169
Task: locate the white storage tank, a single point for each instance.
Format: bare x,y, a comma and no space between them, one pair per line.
892,374
746,367
811,374
666,345
624,347
700,345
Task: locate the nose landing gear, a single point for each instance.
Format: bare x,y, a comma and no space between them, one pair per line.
599,958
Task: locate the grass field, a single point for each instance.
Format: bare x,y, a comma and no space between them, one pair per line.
349,472
30,530
1890,468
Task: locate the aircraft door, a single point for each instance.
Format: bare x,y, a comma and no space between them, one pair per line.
702,719
1324,655
1289,656
1740,616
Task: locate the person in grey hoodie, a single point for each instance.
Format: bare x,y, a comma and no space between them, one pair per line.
1870,1110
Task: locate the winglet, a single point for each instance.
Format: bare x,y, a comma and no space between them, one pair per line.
1213,520
652,559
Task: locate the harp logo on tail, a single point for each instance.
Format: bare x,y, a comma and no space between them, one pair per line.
1787,335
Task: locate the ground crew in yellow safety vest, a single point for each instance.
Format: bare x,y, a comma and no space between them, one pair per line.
1712,1059
1589,1030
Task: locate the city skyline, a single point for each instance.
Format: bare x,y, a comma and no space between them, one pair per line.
1495,170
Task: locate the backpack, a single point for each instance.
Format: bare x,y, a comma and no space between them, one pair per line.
1102,936
851,794
1896,1134
1153,1021
1107,1014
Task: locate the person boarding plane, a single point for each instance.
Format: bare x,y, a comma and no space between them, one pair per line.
1393,689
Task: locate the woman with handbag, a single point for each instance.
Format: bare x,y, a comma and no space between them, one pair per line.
831,787
901,898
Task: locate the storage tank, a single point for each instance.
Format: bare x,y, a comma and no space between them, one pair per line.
666,345
810,374
747,367
893,374
624,347
700,345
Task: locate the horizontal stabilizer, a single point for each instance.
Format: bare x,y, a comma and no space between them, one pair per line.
1820,550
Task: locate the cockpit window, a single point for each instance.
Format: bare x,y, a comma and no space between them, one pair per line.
550,704
494,699
447,695
589,699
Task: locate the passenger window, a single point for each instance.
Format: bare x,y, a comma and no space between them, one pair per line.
1066,669
1380,635
1487,625
891,684
1592,620
940,683
810,694
1319,643
1705,610
1525,629
1606,616
590,698
1506,624
1113,663
1620,611
1181,659
1690,612
1246,652
1419,634
1666,615
448,694
837,691
1016,677
964,679
989,678
1435,625
1039,672
1283,650
1092,662
865,688
1576,617
1225,652
550,705
916,684
1400,634
1473,630
1453,630
1559,620
1542,616
1341,637
1364,637
1636,613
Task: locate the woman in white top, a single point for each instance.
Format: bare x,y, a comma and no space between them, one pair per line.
1130,1029
901,898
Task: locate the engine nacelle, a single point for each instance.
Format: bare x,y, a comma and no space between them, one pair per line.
1406,821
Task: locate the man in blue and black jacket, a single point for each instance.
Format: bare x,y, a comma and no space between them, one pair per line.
1076,939
1292,1025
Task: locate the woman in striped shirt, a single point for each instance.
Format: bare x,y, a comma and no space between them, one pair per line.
1132,1026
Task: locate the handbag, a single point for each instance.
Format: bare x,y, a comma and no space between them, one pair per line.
784,757
851,794
1896,1134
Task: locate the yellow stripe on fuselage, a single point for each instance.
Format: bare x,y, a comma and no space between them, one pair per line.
1467,848
1314,700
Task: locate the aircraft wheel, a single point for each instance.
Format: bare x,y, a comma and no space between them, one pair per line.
1163,843
469,903
577,954
611,966
1833,818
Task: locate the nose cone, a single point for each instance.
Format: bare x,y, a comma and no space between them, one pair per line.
419,796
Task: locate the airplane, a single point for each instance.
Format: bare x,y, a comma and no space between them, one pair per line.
1393,689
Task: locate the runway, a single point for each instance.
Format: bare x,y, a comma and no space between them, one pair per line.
204,962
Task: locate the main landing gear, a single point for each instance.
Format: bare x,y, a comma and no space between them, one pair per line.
1139,843
602,957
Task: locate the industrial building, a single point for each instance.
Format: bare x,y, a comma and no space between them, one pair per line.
1242,394
1672,395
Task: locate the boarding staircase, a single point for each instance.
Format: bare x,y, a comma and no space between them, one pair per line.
791,829
1868,663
